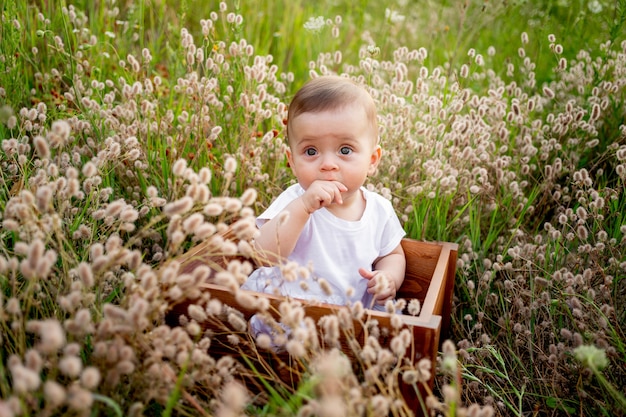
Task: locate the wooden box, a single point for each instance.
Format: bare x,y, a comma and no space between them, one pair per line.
430,274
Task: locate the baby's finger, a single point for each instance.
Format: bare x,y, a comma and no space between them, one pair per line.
336,195
383,301
366,273
342,188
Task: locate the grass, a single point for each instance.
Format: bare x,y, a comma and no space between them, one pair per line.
503,130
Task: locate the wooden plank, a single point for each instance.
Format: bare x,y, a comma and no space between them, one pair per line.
421,261
446,311
434,300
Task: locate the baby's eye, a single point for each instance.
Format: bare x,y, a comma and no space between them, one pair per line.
310,152
345,150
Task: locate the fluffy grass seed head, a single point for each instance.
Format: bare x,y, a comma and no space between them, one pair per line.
54,393
233,400
51,335
591,357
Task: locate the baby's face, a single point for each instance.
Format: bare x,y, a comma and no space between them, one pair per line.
334,145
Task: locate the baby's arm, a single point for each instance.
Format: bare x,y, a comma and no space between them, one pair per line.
391,268
278,237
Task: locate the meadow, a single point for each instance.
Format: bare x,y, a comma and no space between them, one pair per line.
132,129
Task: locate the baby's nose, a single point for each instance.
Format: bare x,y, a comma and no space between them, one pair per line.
328,162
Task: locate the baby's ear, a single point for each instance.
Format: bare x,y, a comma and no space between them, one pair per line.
289,158
377,153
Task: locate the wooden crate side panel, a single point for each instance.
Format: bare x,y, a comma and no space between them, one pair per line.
446,311
313,309
421,261
426,340
422,327
435,297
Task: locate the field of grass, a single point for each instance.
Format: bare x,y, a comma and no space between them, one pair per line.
131,130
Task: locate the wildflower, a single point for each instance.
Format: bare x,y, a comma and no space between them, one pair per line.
591,357
230,166
264,341
85,274
373,50
193,222
558,49
51,335
448,363
249,197
396,319
524,37
90,378
79,398
129,214
178,207
12,122
89,169
233,205
33,360
325,286
54,393
213,209
70,366
193,328
61,128
179,167
424,367
237,322
295,348
41,145
595,112
24,379
393,16
380,405
595,6
330,326
330,406
548,92
397,346
450,394
410,377
125,367
197,313
234,398
43,196
464,71
315,24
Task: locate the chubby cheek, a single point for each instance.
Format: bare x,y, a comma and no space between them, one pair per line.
301,172
291,163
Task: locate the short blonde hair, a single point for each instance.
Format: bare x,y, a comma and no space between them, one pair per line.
331,93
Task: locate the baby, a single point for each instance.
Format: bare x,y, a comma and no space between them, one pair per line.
348,236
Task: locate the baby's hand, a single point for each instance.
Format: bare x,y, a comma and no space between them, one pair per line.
380,285
322,194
